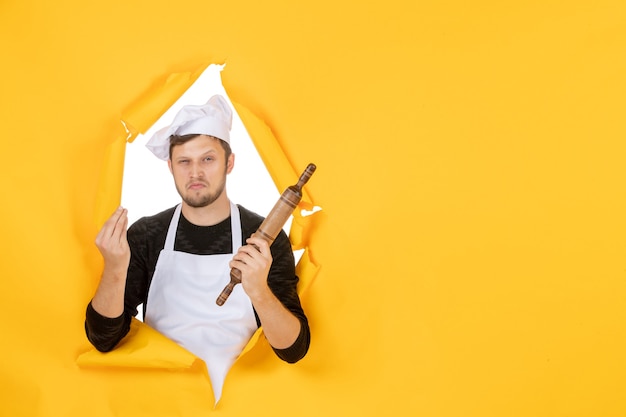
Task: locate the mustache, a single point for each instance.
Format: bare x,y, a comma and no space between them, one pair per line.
196,182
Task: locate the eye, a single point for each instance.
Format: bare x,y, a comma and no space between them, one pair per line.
183,161
208,159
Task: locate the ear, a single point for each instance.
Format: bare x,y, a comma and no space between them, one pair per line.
169,165
231,163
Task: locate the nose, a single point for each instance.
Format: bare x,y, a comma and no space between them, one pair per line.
196,171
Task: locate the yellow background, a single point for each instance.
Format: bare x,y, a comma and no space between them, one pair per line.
472,241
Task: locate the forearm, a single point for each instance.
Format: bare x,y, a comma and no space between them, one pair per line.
109,297
275,299
104,333
280,326
110,311
105,321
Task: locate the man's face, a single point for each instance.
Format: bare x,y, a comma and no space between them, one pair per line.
199,168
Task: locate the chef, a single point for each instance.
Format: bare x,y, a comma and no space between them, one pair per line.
177,262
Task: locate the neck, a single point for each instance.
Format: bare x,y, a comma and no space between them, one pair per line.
210,215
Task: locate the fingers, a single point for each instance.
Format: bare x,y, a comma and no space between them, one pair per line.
254,260
255,255
113,244
121,226
255,250
114,229
260,244
111,222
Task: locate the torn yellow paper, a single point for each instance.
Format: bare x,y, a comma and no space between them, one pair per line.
146,110
110,185
471,170
279,167
143,347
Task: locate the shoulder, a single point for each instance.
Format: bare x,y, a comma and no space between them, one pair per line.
151,225
250,221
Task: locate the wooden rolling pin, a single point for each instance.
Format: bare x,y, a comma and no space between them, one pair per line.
272,224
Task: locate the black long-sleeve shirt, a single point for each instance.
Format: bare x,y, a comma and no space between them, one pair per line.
146,238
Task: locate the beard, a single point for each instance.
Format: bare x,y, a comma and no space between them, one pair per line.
197,200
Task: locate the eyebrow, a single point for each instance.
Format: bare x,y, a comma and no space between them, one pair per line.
210,151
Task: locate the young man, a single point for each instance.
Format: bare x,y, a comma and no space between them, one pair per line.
178,261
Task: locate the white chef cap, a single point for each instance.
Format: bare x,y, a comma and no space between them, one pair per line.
214,118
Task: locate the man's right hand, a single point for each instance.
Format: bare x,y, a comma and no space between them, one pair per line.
113,244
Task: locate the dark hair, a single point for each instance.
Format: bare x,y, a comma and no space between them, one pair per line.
179,140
